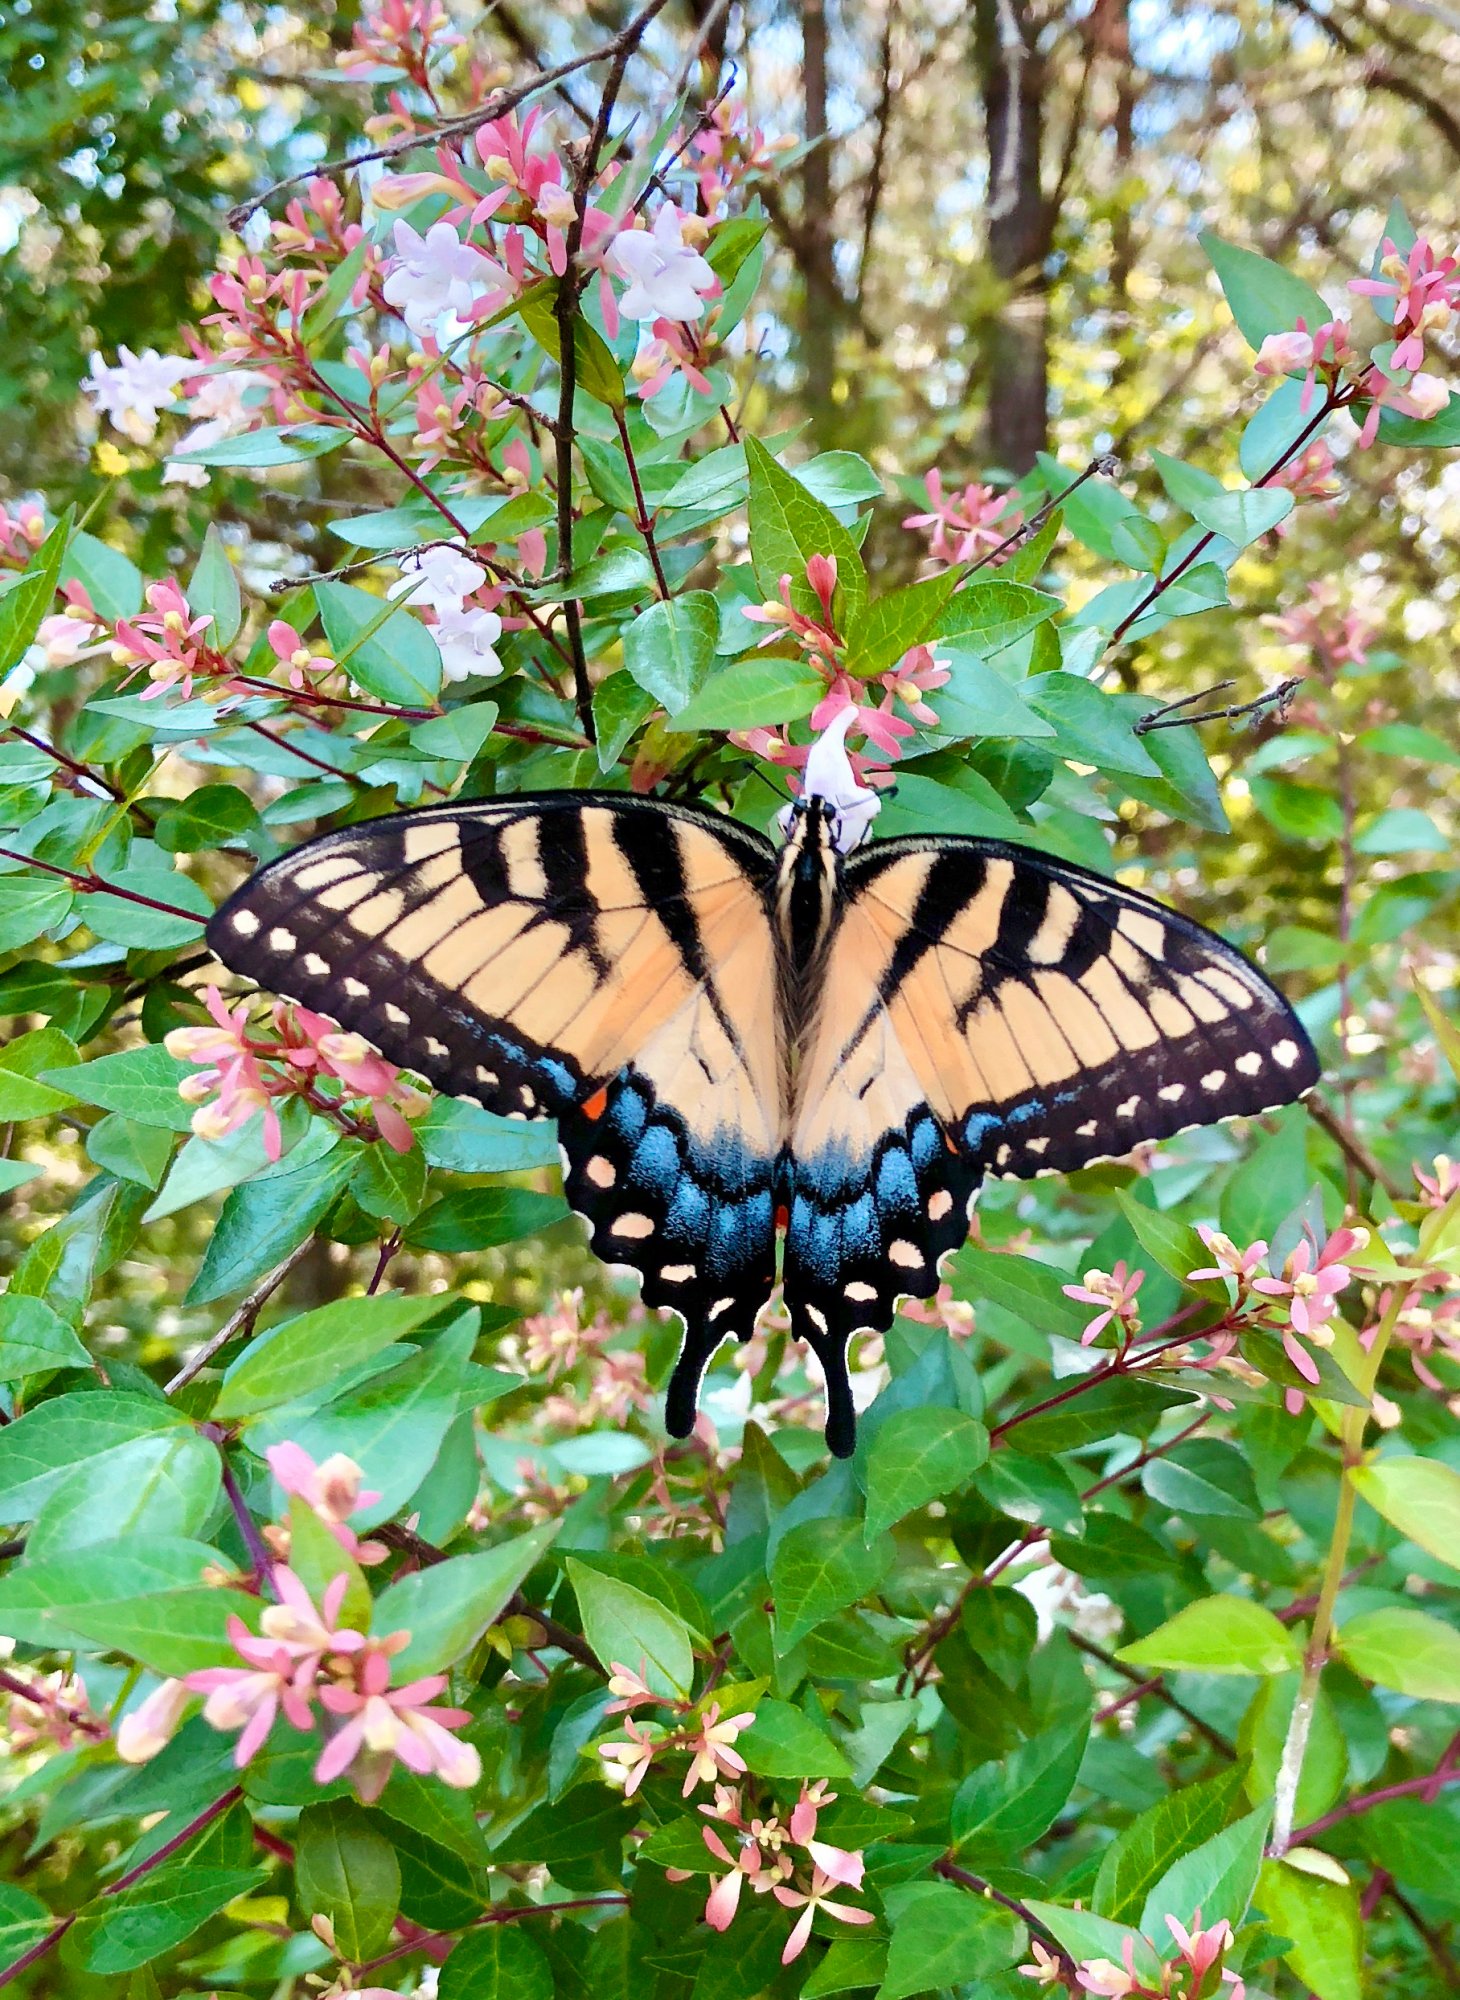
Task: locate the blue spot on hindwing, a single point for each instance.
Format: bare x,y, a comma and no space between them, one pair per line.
897,1184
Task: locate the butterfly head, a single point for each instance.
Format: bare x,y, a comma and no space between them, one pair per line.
833,808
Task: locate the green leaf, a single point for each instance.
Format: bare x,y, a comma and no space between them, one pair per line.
903,618
1090,727
787,526
383,646
392,1424
209,817
820,1567
1218,1635
1030,1289
623,1624
1093,510
24,606
447,1607
1322,1919
1217,1878
977,701
172,1632
140,1083
1301,812
31,904
620,710
944,1937
1144,1852
498,1963
839,479
851,1962
37,1591
1118,1403
670,648
753,693
1240,514
34,1340
285,444
35,1072
1420,1497
478,1218
1401,830
1139,543
985,617
1085,1935
213,591
1409,1651
1031,1489
1004,1807
594,368
112,580
469,1140
39,1449
1434,433
131,1151
389,1185
1264,297
1203,1477
918,1456
120,1932
459,735
345,1869
1173,1244
784,1743
301,1354
266,1218
155,1486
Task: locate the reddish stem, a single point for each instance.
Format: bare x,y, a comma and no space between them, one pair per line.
53,1937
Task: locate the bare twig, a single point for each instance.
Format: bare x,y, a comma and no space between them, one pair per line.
496,106
240,1322
1351,1146
1169,717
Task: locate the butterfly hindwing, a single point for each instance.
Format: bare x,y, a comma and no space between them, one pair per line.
987,1008
604,960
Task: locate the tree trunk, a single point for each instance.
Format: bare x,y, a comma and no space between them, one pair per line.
1016,341
818,271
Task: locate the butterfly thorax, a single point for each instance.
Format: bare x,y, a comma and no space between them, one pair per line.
807,884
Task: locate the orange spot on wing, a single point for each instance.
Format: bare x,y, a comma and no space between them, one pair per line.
595,1106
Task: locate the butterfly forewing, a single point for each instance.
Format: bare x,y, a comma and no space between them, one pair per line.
605,961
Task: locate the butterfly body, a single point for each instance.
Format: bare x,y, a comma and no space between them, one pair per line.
750,1048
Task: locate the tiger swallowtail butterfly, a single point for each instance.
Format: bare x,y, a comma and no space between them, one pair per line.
748,1046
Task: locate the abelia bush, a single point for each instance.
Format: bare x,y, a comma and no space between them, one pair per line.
364,1632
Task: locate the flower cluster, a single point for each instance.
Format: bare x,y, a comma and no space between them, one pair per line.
1299,1302
708,1736
1196,1972
1333,637
332,1490
1115,1293
21,533
52,1713
450,583
817,635
1418,292
763,1859
306,1056
323,1678
962,526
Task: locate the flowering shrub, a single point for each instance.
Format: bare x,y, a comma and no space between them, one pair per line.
361,1622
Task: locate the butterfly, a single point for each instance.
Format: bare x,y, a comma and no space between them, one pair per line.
751,1048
